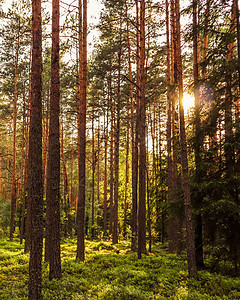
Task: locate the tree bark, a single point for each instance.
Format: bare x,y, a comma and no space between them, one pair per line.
82,93
236,6
205,39
23,169
117,140
142,140
52,242
98,173
27,183
93,172
135,143
66,203
111,155
126,185
13,193
191,258
35,159
198,143
174,225
169,131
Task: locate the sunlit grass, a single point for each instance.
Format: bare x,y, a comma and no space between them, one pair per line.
112,272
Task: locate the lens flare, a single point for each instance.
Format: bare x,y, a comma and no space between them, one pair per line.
188,102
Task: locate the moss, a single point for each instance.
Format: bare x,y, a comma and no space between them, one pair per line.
113,272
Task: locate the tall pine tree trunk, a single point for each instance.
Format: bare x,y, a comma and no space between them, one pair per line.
198,143
13,193
117,141
191,258
126,185
35,159
142,140
52,242
132,120
27,183
135,143
205,39
66,203
98,173
24,174
93,172
105,175
111,155
174,224
82,94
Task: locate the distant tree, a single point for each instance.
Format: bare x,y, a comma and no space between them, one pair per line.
14,34
135,142
198,140
117,136
13,195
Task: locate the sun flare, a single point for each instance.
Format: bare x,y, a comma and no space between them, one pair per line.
188,102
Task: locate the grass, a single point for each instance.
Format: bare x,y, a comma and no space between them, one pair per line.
112,272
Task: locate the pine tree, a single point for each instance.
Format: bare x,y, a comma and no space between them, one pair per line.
53,171
35,159
142,139
82,90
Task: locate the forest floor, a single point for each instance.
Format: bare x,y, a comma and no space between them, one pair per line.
113,272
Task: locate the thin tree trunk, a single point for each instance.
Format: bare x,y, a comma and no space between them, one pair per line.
27,183
205,39
93,173
1,185
236,5
23,156
24,205
71,197
45,146
228,147
66,203
105,177
135,143
65,176
149,225
98,174
13,194
24,172
169,133
82,93
198,143
126,185
191,258
117,140
111,157
175,226
142,140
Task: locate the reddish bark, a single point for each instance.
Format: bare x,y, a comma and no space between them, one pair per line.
35,159
82,93
142,139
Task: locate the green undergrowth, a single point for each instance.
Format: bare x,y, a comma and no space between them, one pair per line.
113,272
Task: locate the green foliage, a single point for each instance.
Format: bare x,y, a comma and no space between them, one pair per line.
4,217
113,272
